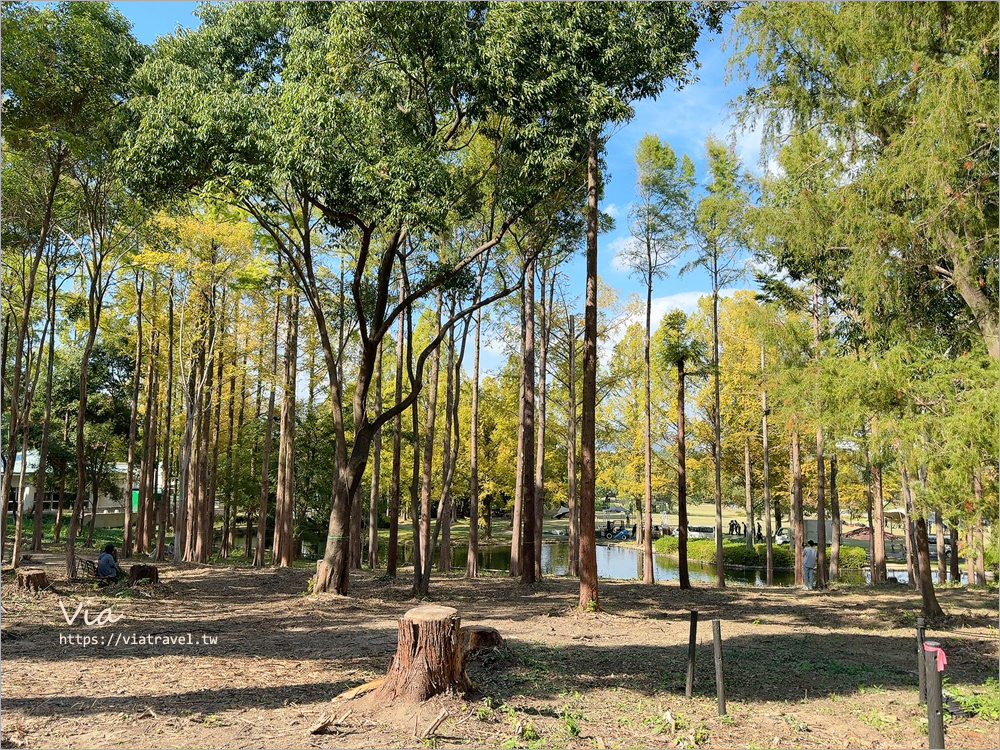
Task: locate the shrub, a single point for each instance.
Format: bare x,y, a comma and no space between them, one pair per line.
666,545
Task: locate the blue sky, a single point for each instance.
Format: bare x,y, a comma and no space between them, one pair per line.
682,118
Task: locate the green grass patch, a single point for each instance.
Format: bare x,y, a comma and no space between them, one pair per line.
737,553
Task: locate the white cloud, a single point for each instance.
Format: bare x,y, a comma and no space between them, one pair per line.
612,210
617,248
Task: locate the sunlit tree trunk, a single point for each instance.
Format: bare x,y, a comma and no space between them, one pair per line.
878,527
748,491
373,499
397,452
683,574
528,434
589,595
133,419
796,512
164,509
574,504
283,552
43,451
835,515
427,470
265,462
545,315
767,478
472,557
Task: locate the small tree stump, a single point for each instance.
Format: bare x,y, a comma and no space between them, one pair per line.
478,638
33,579
138,572
428,658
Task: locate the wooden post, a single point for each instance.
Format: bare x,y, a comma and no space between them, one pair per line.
692,641
428,658
935,717
921,676
720,687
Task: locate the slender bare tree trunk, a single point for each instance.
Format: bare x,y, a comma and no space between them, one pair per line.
265,463
878,529
911,559
980,546
544,319
472,558
821,561
796,514
528,434
427,470
942,558
373,499
748,491
767,478
835,515
720,570
133,420
517,520
647,438
589,595
574,504
43,453
397,453
283,552
683,574
164,512
448,457
956,573
14,415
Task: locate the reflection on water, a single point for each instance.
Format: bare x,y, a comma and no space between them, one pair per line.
617,561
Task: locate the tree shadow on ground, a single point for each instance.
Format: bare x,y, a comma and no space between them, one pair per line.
777,667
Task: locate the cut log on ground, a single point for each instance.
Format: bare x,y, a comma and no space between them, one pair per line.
428,658
33,579
478,638
138,572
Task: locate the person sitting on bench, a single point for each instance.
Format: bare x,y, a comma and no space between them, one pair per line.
107,563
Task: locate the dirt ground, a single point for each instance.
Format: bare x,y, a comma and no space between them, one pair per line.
802,669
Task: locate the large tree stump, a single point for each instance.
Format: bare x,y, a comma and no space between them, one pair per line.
33,579
429,658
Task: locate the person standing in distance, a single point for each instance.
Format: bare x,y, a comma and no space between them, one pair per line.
809,563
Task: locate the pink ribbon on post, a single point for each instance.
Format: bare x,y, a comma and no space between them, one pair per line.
942,660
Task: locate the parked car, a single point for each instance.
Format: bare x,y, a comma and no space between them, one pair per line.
701,532
783,536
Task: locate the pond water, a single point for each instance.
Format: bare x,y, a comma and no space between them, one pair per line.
613,561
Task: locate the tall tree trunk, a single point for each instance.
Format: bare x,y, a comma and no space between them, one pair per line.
835,515
528,434
94,318
164,508
43,453
147,532
821,562
427,470
283,543
748,490
682,513
720,571
374,497
767,477
908,532
203,530
472,557
878,529
956,573
397,453
980,547
265,463
227,505
796,512
647,440
56,159
930,606
942,558
517,520
448,457
133,419
61,501
216,429
543,349
589,595
574,505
